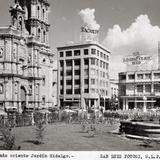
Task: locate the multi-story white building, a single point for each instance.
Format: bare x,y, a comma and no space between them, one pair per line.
26,61
83,75
139,89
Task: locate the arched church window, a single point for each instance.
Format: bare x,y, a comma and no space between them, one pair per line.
38,12
1,52
39,33
43,14
43,100
30,89
37,89
16,87
20,23
1,88
44,36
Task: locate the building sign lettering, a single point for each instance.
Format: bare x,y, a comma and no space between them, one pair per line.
136,59
87,30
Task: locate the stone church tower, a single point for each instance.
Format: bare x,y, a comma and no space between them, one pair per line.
26,61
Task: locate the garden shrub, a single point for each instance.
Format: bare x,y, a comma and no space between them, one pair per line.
8,139
133,115
40,132
40,129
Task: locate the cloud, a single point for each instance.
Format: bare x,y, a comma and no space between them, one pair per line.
88,18
140,36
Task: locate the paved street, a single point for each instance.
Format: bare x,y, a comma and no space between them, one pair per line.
68,137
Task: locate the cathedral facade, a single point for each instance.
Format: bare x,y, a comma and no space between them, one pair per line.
26,61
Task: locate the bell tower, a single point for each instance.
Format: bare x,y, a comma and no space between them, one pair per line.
17,17
36,18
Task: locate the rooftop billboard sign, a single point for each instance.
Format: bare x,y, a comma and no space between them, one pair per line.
136,59
87,30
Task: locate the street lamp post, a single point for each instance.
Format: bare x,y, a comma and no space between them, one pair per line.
145,104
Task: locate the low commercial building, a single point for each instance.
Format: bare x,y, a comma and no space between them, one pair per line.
139,89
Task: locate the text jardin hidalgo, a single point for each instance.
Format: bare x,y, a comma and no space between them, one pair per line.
36,156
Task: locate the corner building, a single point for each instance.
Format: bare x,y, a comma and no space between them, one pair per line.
83,75
26,61
139,89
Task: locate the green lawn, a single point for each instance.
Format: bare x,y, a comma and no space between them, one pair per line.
68,137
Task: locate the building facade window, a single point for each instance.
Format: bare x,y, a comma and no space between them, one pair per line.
148,76
77,82
77,53
77,91
86,81
39,33
77,62
131,76
68,53
61,63
43,100
139,76
86,72
43,14
77,72
69,82
101,55
93,61
61,54
86,61
148,88
93,51
61,91
156,75
86,90
68,63
85,51
139,88
43,80
107,58
69,91
93,81
44,37
30,89
97,62
101,63
68,72
38,12
106,66
97,52
61,82
16,87
37,89
157,88
20,23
